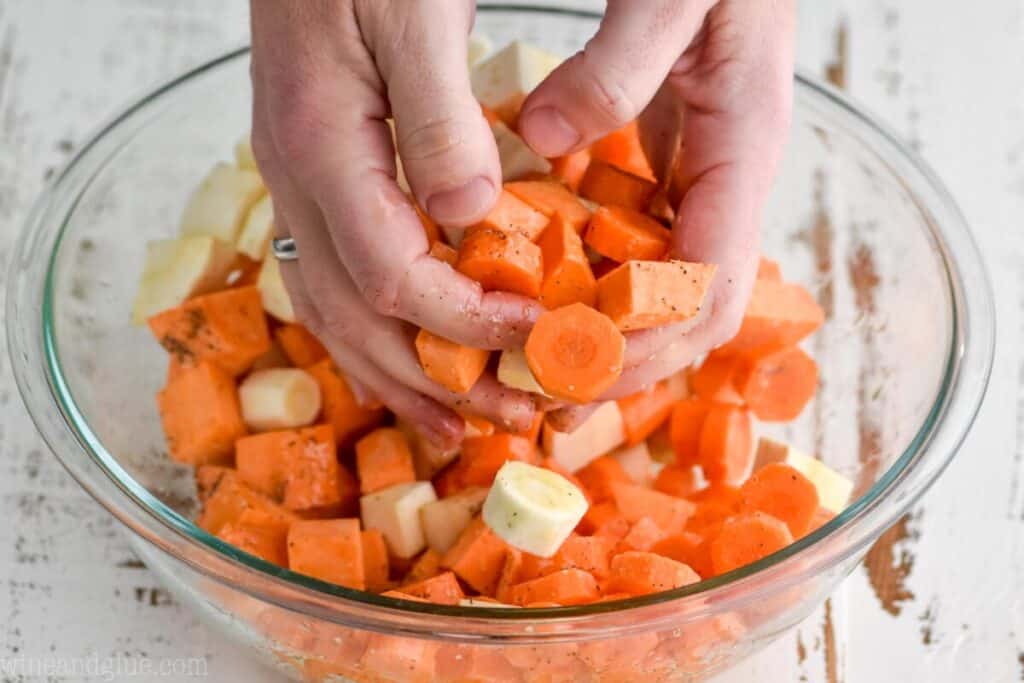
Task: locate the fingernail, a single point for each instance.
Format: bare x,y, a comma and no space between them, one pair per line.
462,204
548,132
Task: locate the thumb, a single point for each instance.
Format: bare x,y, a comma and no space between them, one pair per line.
446,146
610,82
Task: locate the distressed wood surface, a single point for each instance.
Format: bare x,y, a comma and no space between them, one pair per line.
937,599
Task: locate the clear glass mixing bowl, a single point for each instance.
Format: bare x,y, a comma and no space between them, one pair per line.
905,357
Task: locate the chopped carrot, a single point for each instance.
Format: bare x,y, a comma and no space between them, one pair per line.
340,407
822,516
687,422
442,589
453,366
200,414
502,261
778,315
676,480
721,493
726,443
625,235
603,265
383,459
427,565
642,535
329,550
227,328
668,512
513,215
443,252
477,426
598,477
275,357
564,587
375,560
258,533
301,347
768,269
748,538
298,467
642,294
597,515
784,493
478,557
396,657
611,186
640,573
207,477
713,380
483,456
567,275
689,548
571,168
614,529
776,387
430,228
707,519
589,553
645,411
575,353
511,574
551,198
230,497
622,148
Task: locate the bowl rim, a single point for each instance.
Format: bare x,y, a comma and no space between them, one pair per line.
971,349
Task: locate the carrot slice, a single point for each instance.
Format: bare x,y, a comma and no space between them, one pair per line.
776,387
645,411
768,269
227,328
599,515
229,497
668,512
611,186
443,252
298,467
551,198
713,380
685,428
689,548
564,587
442,589
453,366
329,550
299,344
640,573
340,407
483,456
589,553
383,459
502,261
427,565
200,414
642,535
513,215
511,574
622,148
375,560
598,477
478,557
778,315
748,538
676,480
575,353
726,443
571,167
258,533
567,275
784,493
643,294
625,235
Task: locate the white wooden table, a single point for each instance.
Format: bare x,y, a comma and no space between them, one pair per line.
942,599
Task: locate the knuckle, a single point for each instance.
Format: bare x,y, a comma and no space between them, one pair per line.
382,296
603,89
435,140
299,127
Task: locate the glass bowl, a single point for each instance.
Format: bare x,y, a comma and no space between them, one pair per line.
905,357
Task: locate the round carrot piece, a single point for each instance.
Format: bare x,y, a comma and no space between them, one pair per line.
747,538
778,386
575,353
784,493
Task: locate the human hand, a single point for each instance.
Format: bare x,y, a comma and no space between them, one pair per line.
711,83
326,76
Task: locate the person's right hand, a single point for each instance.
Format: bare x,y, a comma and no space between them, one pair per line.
326,75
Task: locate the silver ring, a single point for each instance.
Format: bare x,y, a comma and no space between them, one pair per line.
284,249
